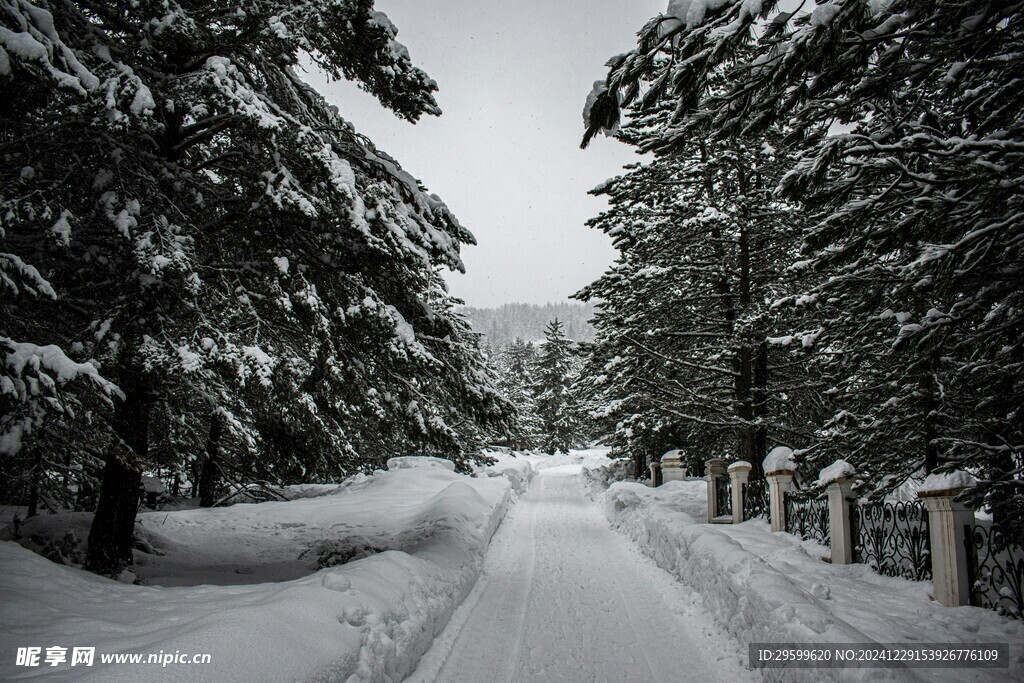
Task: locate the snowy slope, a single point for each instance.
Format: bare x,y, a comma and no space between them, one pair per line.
371,618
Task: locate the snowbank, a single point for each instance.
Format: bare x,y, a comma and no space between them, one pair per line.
409,461
518,471
597,476
424,529
772,587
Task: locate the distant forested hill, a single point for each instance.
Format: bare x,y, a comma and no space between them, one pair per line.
503,324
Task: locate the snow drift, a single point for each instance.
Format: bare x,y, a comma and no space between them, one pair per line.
772,587
368,619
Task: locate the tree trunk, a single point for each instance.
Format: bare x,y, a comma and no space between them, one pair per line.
113,526
208,477
930,407
760,396
67,470
744,404
33,487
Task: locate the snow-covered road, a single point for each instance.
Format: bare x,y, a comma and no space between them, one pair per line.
563,597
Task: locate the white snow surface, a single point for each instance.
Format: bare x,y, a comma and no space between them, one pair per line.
563,597
947,480
773,587
560,597
836,471
408,461
675,453
823,14
518,471
739,465
779,458
367,620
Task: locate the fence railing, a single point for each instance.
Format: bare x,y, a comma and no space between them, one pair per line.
756,501
807,516
892,538
995,569
723,494
934,538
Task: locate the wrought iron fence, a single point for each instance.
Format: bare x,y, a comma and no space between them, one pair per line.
892,538
995,566
755,499
723,496
807,516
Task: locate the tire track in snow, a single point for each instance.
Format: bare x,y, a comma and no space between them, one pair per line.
501,594
562,597
512,663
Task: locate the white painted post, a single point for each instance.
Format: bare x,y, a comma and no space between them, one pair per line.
946,521
838,480
779,482
840,529
739,472
713,469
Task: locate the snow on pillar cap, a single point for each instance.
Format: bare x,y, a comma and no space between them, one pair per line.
945,484
837,471
780,459
740,465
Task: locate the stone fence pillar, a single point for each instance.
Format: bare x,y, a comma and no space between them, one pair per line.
779,483
672,468
739,472
838,479
655,468
947,519
713,470
839,526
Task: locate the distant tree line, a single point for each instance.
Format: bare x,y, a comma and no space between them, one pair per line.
508,322
544,383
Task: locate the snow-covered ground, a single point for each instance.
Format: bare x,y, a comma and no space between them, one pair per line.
377,579
773,587
425,530
564,598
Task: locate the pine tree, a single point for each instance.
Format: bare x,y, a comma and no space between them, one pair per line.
555,400
683,355
253,279
907,124
516,368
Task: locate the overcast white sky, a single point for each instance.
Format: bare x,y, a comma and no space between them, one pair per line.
505,155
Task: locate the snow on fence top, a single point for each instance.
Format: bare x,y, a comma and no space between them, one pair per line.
840,469
740,465
409,461
946,481
780,458
675,454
